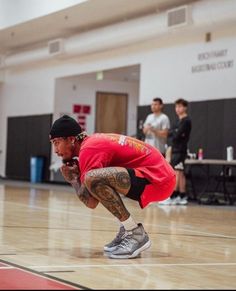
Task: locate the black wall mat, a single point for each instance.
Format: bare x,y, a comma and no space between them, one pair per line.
229,129
198,115
27,136
142,112
229,125
169,110
214,133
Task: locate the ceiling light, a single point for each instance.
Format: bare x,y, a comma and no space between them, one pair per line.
99,76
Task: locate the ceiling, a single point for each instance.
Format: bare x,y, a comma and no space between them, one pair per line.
77,19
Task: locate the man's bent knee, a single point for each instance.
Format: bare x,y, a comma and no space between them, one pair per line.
90,176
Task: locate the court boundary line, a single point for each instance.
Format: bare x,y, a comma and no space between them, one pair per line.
40,274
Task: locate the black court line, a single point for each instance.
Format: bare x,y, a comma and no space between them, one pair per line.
44,275
217,236
112,231
55,228
193,235
63,271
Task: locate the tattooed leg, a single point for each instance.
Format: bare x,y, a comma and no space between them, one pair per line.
105,185
84,195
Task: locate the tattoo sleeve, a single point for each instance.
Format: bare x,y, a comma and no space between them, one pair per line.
70,173
76,186
105,185
84,195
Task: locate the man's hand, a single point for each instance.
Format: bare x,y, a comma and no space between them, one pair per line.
147,129
70,173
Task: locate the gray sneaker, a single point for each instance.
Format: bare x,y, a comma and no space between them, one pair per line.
110,247
132,244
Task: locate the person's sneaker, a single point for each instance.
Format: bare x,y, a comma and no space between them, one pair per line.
183,201
168,201
132,245
176,200
116,241
180,201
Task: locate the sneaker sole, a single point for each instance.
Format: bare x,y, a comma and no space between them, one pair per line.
111,249
134,254
182,202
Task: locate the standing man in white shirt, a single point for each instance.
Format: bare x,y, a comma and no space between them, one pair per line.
156,126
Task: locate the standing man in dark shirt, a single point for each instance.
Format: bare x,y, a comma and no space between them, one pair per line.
179,135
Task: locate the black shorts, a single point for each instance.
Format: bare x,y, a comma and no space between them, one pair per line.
177,161
138,185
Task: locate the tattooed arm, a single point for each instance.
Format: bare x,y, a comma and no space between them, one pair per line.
85,196
71,174
106,184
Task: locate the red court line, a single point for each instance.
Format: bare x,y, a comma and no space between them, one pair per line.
25,279
15,279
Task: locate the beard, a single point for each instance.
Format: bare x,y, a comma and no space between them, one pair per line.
71,155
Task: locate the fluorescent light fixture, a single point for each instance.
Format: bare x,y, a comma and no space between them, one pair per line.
99,76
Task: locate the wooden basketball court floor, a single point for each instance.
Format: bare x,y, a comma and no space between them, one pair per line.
49,240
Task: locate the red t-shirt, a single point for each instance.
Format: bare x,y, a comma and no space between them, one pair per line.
102,150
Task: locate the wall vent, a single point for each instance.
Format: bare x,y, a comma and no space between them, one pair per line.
56,47
178,16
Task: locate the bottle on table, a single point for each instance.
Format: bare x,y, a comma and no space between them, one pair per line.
230,153
200,154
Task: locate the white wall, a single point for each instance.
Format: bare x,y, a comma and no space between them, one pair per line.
167,72
16,11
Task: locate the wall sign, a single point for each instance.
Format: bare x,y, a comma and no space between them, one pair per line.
213,61
82,111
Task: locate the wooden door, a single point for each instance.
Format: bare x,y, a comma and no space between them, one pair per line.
111,112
